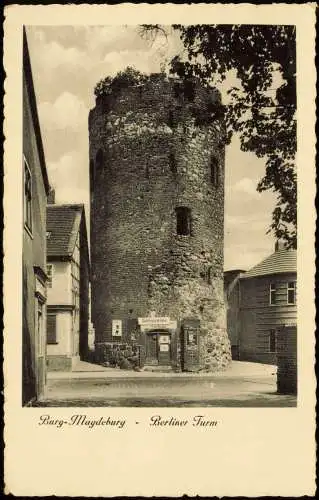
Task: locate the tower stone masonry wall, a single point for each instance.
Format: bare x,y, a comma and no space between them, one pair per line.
151,152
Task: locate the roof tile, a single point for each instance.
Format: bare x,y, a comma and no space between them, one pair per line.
282,261
63,222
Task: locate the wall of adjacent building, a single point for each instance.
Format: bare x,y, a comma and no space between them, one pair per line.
33,255
64,342
258,317
70,285
232,301
60,353
60,292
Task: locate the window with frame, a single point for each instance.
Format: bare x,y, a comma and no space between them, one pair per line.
272,341
183,221
272,294
291,293
51,329
49,275
27,196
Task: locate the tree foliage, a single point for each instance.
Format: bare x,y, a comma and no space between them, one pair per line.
265,123
123,79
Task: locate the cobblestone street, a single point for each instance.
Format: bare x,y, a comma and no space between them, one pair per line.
243,385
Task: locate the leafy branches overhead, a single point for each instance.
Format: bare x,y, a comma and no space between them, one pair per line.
262,107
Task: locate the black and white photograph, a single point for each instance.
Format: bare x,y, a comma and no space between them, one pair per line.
167,241
165,197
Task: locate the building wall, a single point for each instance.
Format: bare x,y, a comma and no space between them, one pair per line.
287,382
64,344
156,157
34,255
70,282
60,292
61,353
258,317
232,300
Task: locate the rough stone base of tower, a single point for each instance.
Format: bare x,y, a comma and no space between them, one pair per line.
194,300
216,354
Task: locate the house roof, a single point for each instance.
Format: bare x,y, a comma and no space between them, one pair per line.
63,223
281,261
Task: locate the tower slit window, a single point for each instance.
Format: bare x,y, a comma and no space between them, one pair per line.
183,221
214,172
172,163
170,119
209,275
99,160
91,175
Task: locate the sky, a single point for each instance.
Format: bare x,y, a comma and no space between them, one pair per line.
68,61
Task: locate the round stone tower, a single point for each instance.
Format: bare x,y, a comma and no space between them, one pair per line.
157,149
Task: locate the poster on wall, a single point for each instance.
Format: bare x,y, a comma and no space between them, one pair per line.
117,328
164,339
164,347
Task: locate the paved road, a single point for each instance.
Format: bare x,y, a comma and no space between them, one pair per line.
217,391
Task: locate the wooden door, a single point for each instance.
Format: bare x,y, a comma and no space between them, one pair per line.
151,349
164,349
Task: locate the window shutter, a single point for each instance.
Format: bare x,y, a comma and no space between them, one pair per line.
51,329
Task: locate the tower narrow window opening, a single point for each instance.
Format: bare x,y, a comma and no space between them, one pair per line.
170,120
99,160
91,176
214,172
172,163
183,221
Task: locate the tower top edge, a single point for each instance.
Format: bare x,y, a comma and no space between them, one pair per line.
111,87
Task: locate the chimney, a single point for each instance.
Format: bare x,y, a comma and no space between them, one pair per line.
51,196
280,245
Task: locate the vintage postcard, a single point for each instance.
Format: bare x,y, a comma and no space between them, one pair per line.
159,250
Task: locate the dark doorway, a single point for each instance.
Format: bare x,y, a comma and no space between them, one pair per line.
158,347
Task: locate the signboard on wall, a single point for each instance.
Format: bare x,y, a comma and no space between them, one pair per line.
116,328
153,322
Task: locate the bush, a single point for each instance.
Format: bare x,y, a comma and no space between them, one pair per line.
123,79
125,364
123,355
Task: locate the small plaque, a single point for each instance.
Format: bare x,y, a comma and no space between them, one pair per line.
164,339
192,339
164,347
